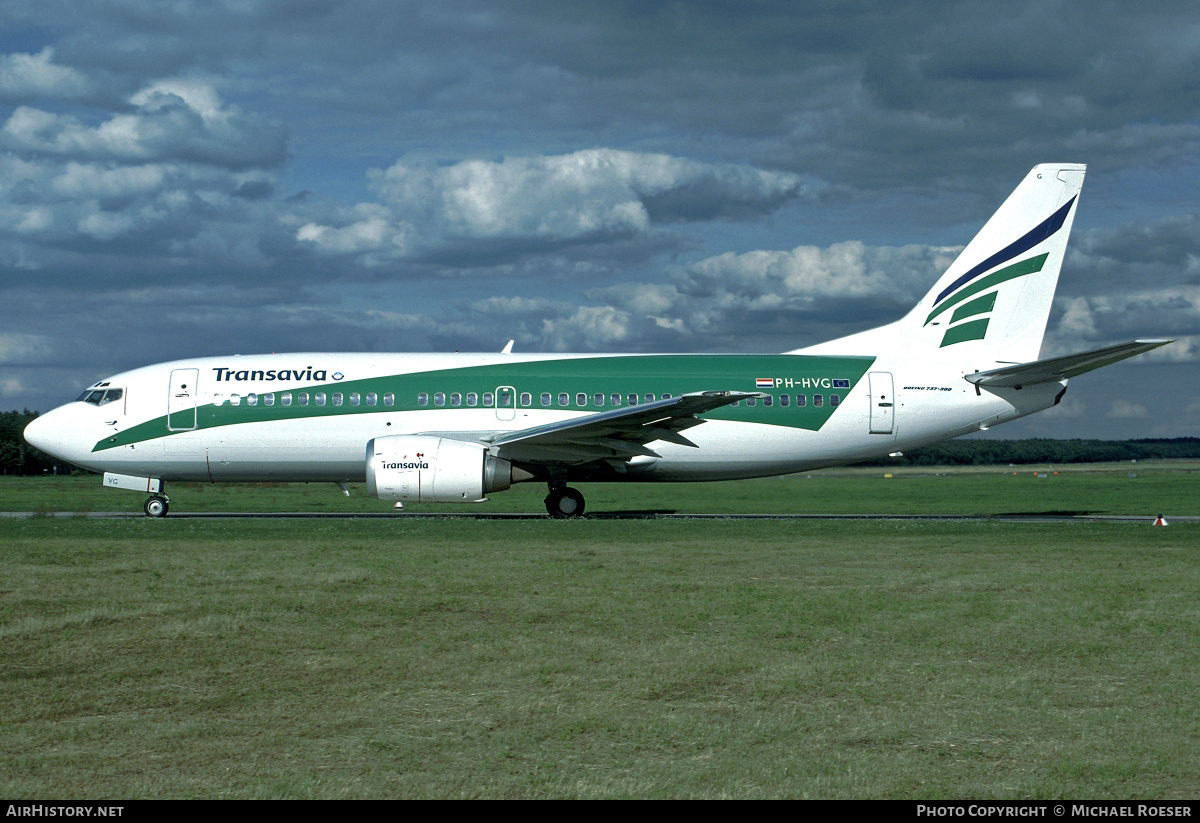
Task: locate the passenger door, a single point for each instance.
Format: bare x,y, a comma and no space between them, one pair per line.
181,400
883,402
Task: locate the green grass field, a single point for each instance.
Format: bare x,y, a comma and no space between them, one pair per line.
604,658
1147,488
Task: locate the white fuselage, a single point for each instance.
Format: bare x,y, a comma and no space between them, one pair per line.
224,419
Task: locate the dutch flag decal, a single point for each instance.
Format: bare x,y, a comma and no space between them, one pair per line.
764,383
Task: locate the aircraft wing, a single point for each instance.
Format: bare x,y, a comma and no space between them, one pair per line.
619,434
1054,369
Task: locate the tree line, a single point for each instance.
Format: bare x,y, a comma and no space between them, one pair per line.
1004,452
18,457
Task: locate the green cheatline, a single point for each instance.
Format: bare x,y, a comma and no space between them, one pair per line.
635,374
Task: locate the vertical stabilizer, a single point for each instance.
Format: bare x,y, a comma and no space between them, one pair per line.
994,300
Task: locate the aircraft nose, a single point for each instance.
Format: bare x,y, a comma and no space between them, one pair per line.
51,433
37,433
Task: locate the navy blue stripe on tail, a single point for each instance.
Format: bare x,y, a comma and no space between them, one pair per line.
1043,231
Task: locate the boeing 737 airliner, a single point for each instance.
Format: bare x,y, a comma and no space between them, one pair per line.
457,427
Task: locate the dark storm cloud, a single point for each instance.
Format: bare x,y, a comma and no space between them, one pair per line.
1172,243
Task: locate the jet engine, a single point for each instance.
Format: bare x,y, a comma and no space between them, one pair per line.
421,468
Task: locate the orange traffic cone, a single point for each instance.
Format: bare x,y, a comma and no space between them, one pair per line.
1158,521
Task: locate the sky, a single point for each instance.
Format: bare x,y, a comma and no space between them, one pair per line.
184,179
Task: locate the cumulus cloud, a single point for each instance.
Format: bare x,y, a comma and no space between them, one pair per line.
370,230
590,196
538,324
25,76
757,301
783,299
47,206
849,269
178,120
180,166
1135,280
1103,319
1078,320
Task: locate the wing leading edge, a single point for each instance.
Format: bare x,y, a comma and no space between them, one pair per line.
1053,369
616,435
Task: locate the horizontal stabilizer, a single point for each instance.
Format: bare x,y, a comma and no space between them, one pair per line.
1054,369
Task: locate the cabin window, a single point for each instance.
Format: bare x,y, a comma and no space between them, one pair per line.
319,397
252,399
354,398
649,398
526,398
488,399
598,399
818,400
302,398
268,400
801,400
834,399
564,399
580,399
372,398
472,399
423,399
285,399
545,398
235,400
439,398
769,400
666,396
615,398
632,398
751,401
456,399
337,398
784,399
389,399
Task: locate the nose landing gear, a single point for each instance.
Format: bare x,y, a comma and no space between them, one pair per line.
156,506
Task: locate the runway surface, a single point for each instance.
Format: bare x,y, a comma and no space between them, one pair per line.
614,515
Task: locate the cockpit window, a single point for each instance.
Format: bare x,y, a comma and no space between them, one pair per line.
101,397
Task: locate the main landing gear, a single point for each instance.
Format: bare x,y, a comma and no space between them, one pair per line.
564,502
156,506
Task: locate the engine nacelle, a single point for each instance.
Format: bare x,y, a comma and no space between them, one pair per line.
421,468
